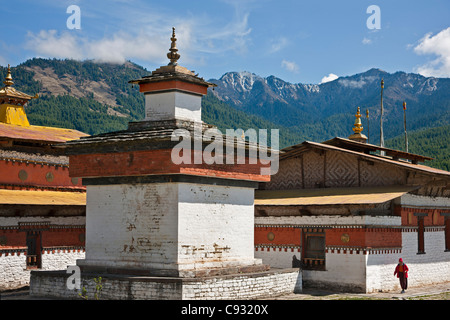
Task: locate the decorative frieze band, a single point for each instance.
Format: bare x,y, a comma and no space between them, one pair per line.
13,251
361,250
427,229
41,163
41,225
62,249
285,248
326,226
400,228
46,250
331,249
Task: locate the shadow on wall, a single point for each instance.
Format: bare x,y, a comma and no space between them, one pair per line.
296,263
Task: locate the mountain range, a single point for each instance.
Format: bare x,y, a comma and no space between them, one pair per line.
96,97
322,111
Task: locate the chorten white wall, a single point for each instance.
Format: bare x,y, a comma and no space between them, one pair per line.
169,228
173,105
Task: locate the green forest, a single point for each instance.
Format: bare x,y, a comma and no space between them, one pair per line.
88,115
433,142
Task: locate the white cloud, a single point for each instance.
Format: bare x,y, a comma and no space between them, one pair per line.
233,36
439,46
117,48
278,44
145,36
49,43
289,65
366,41
328,78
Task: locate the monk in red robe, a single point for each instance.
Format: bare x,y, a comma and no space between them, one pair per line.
402,274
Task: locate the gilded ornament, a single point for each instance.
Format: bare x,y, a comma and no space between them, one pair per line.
23,175
49,177
345,238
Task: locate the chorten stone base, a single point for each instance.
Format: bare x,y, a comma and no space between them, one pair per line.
246,285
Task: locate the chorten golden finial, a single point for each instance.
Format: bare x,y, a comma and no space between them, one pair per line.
173,55
358,128
8,80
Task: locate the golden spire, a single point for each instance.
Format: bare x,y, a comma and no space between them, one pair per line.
358,128
12,103
8,80
173,55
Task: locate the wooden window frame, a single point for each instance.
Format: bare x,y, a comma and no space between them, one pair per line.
420,232
313,263
34,259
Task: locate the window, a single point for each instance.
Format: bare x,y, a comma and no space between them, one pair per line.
420,232
33,251
313,255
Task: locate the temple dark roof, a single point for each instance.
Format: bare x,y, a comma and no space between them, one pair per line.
363,150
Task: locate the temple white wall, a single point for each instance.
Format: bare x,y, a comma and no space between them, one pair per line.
422,201
369,272
344,271
330,220
431,267
424,269
14,221
13,272
13,267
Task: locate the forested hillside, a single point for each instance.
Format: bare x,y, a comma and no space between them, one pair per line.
433,142
97,98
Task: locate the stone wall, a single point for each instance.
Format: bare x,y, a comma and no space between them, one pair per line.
114,287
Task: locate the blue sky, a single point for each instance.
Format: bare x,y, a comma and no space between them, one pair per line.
298,41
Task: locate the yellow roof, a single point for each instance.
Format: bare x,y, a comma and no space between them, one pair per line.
8,91
38,133
60,198
329,196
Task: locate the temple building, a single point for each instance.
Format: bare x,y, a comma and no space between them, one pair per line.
345,214
42,209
